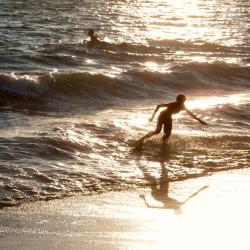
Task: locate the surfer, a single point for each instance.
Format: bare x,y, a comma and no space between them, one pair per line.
94,38
165,118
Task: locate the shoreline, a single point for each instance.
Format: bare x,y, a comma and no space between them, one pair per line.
217,217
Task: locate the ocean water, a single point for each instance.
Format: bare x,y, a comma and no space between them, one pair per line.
67,109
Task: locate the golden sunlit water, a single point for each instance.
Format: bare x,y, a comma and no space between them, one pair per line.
72,111
70,108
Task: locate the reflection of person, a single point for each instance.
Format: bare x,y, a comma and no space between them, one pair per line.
160,187
160,192
168,202
165,117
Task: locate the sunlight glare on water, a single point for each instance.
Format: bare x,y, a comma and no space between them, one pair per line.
176,14
210,102
71,106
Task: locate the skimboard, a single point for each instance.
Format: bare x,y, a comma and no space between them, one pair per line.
134,143
150,142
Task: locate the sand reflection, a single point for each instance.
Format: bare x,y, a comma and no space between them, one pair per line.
160,186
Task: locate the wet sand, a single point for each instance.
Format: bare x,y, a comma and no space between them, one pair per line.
216,218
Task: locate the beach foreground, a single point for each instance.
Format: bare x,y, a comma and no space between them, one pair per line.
216,218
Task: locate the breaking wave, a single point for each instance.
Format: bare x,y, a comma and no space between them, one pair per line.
130,85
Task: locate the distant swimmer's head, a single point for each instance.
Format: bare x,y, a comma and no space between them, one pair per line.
91,32
181,98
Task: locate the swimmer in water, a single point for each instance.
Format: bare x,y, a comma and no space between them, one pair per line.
93,37
165,118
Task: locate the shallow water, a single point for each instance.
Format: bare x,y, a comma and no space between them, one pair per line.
67,109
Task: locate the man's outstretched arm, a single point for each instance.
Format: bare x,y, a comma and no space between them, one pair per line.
195,117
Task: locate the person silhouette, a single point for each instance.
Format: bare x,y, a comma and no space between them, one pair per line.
94,39
165,118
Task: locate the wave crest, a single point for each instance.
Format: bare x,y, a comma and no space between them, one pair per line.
129,85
